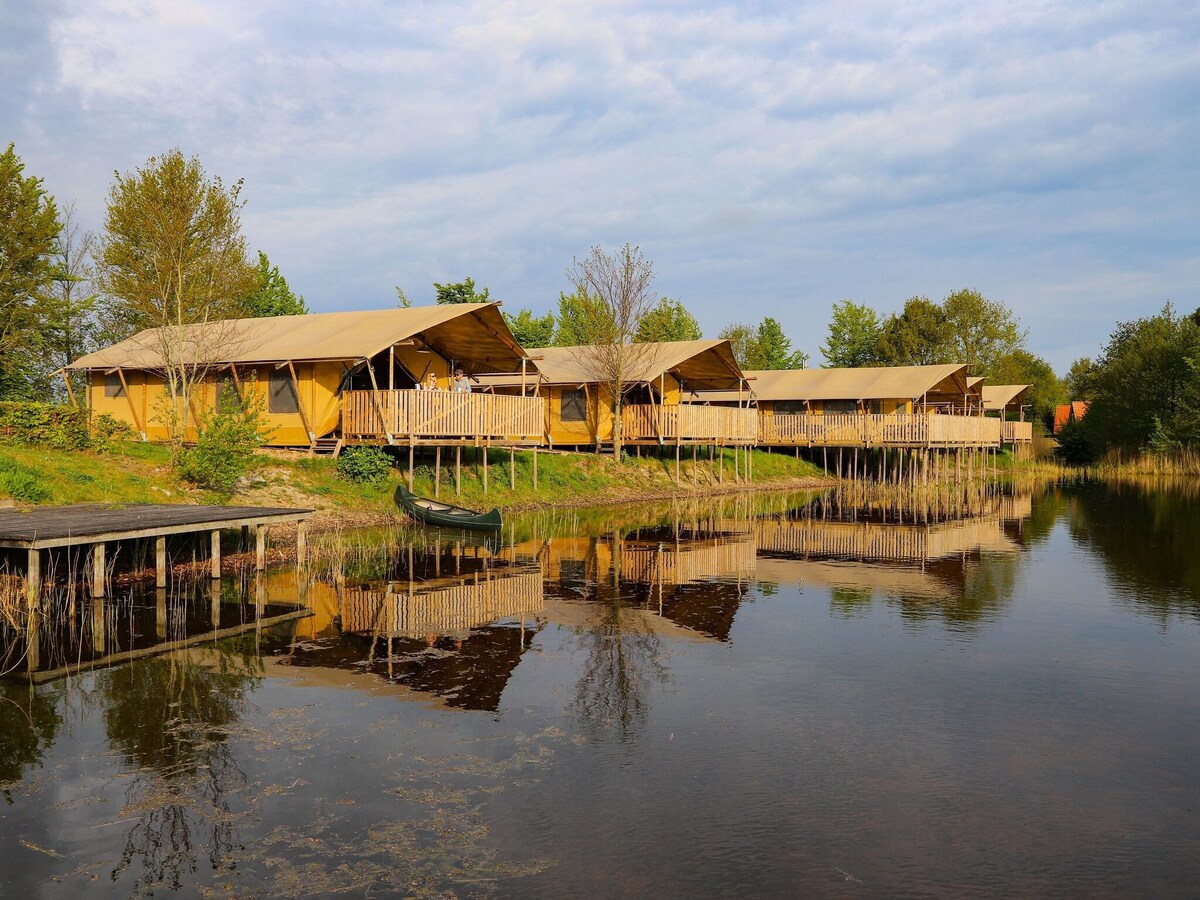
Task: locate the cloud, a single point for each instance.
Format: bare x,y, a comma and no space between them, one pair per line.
770,158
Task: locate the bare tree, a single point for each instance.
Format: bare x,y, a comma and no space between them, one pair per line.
617,295
172,259
69,330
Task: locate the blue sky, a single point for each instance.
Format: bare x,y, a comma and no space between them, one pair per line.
770,158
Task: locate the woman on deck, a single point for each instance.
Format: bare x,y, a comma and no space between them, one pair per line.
429,384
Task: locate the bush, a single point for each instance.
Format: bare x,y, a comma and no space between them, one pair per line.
1074,447
224,450
44,425
107,431
367,465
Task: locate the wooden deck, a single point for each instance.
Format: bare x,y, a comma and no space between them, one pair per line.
441,417
1016,432
918,430
688,424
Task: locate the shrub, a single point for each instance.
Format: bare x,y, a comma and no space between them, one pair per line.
107,431
368,465
224,450
44,425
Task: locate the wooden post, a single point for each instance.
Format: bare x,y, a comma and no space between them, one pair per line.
160,562
484,450
410,464
512,468
98,626
160,613
677,463
301,544
260,548
98,568
437,471
33,580
457,470
214,603
535,450
215,556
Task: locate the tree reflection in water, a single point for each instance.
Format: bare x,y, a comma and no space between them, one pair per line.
170,718
30,718
624,656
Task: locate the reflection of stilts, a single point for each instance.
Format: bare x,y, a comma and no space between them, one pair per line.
160,613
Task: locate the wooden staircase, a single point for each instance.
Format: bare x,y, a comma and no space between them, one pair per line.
330,445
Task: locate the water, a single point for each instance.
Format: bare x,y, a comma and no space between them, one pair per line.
765,698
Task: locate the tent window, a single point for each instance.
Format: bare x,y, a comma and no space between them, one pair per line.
574,406
281,395
833,407
789,407
876,407
113,386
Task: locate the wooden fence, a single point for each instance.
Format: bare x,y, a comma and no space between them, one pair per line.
669,563
686,423
878,430
1016,432
433,415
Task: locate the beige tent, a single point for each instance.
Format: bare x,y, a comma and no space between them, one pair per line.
300,364
1004,397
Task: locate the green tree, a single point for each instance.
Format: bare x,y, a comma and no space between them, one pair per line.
273,297
1078,383
69,318
1146,386
29,232
854,332
1022,367
772,349
531,330
172,256
918,336
576,320
668,321
980,331
402,299
463,292
741,339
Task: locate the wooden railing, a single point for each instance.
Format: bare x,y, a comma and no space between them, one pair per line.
878,430
1016,432
440,414
719,424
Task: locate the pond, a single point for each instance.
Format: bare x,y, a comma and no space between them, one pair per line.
838,695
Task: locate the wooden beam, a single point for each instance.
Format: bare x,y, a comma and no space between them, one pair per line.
137,420
214,559
98,570
70,390
300,404
378,406
260,547
160,562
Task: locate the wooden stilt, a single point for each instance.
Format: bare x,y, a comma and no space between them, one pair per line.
410,465
260,548
98,570
33,580
535,462
160,562
160,613
214,559
677,463
457,470
301,544
512,468
437,471
484,449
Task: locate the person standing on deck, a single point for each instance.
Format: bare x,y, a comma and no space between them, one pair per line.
429,384
462,384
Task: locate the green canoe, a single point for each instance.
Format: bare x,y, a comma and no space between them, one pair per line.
433,512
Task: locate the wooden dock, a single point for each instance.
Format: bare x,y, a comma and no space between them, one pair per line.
95,525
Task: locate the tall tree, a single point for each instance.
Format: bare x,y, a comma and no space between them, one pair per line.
617,288
741,339
853,341
1078,383
531,330
575,322
172,256
69,324
980,330
273,296
463,292
918,336
773,349
29,231
669,320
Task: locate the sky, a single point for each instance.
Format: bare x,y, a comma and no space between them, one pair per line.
769,158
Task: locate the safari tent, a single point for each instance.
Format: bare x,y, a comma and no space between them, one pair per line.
661,381
325,376
1007,400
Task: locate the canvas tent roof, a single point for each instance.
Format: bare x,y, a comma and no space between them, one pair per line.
998,397
879,383
473,334
700,365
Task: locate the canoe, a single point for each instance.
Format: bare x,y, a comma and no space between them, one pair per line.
433,512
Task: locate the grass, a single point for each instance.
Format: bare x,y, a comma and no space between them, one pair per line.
142,473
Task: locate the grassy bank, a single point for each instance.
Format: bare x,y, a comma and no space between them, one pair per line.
142,473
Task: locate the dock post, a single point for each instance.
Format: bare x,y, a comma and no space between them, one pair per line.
215,557
484,450
677,463
98,573
160,613
457,470
160,562
260,547
410,466
98,639
214,602
437,471
33,580
301,543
